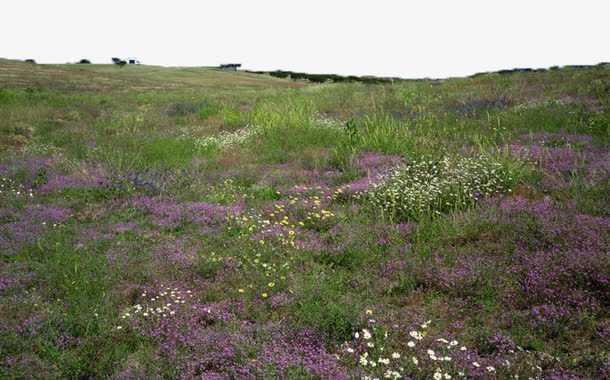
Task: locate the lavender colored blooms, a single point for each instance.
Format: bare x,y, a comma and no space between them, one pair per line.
561,278
166,212
373,165
25,226
9,282
207,341
564,156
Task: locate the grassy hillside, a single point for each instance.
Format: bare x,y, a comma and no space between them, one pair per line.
199,223
99,78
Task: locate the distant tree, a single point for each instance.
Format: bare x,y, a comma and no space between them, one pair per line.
297,76
317,78
337,78
119,62
30,60
280,74
230,66
84,61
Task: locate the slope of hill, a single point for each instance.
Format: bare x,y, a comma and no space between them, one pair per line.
97,77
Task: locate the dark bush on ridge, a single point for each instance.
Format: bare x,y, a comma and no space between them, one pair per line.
280,74
323,78
297,76
513,71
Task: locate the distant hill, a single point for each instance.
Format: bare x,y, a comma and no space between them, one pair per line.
102,77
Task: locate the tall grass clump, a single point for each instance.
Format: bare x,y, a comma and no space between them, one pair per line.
293,129
382,133
233,118
425,188
206,110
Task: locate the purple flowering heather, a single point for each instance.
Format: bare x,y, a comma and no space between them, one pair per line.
562,160
15,280
60,182
167,212
373,165
569,271
280,299
25,226
207,339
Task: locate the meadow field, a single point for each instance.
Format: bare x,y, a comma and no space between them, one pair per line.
181,223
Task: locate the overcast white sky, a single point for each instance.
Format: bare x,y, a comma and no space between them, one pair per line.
410,39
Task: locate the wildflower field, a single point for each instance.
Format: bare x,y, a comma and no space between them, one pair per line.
182,223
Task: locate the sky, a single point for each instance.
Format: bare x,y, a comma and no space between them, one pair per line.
400,38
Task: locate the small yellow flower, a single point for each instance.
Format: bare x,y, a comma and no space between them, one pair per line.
261,241
369,311
264,295
271,284
241,290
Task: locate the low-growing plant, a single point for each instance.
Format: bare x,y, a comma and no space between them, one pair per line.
184,108
424,188
206,110
226,140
